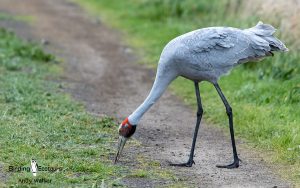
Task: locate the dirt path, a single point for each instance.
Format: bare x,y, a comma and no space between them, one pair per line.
101,72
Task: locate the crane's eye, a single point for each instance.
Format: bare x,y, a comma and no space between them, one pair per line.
126,130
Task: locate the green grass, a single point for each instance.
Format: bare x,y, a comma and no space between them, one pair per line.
4,16
39,121
264,96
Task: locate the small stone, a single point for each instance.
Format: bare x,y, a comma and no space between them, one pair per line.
45,42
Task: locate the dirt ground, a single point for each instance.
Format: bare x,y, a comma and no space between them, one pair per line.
102,72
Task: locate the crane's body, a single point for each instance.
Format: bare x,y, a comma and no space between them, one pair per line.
208,53
205,55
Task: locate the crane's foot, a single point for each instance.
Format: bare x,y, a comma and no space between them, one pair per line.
235,164
187,164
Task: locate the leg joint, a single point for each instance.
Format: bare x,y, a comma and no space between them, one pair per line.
200,111
229,110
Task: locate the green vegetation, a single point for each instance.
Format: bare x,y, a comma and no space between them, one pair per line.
265,96
23,18
38,121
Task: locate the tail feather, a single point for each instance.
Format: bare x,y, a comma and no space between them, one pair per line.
262,29
263,40
276,45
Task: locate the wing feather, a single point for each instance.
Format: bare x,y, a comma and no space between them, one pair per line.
218,47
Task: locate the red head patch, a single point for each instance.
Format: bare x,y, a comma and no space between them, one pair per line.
126,122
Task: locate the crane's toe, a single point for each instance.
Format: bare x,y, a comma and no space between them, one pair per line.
235,164
187,164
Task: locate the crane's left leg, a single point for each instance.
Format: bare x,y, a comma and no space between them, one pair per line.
199,117
235,163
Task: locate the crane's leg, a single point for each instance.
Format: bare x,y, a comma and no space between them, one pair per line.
235,163
199,116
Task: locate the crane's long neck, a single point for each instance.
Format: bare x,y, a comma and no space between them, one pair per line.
164,77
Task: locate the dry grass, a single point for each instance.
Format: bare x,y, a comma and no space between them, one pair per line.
283,14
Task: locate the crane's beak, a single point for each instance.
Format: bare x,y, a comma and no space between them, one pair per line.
121,144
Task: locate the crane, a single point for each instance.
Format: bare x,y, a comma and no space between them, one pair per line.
204,55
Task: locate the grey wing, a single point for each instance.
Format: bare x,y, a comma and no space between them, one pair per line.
219,48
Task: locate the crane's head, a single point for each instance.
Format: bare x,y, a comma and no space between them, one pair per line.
126,130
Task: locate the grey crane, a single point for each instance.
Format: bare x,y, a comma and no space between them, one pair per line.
204,55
